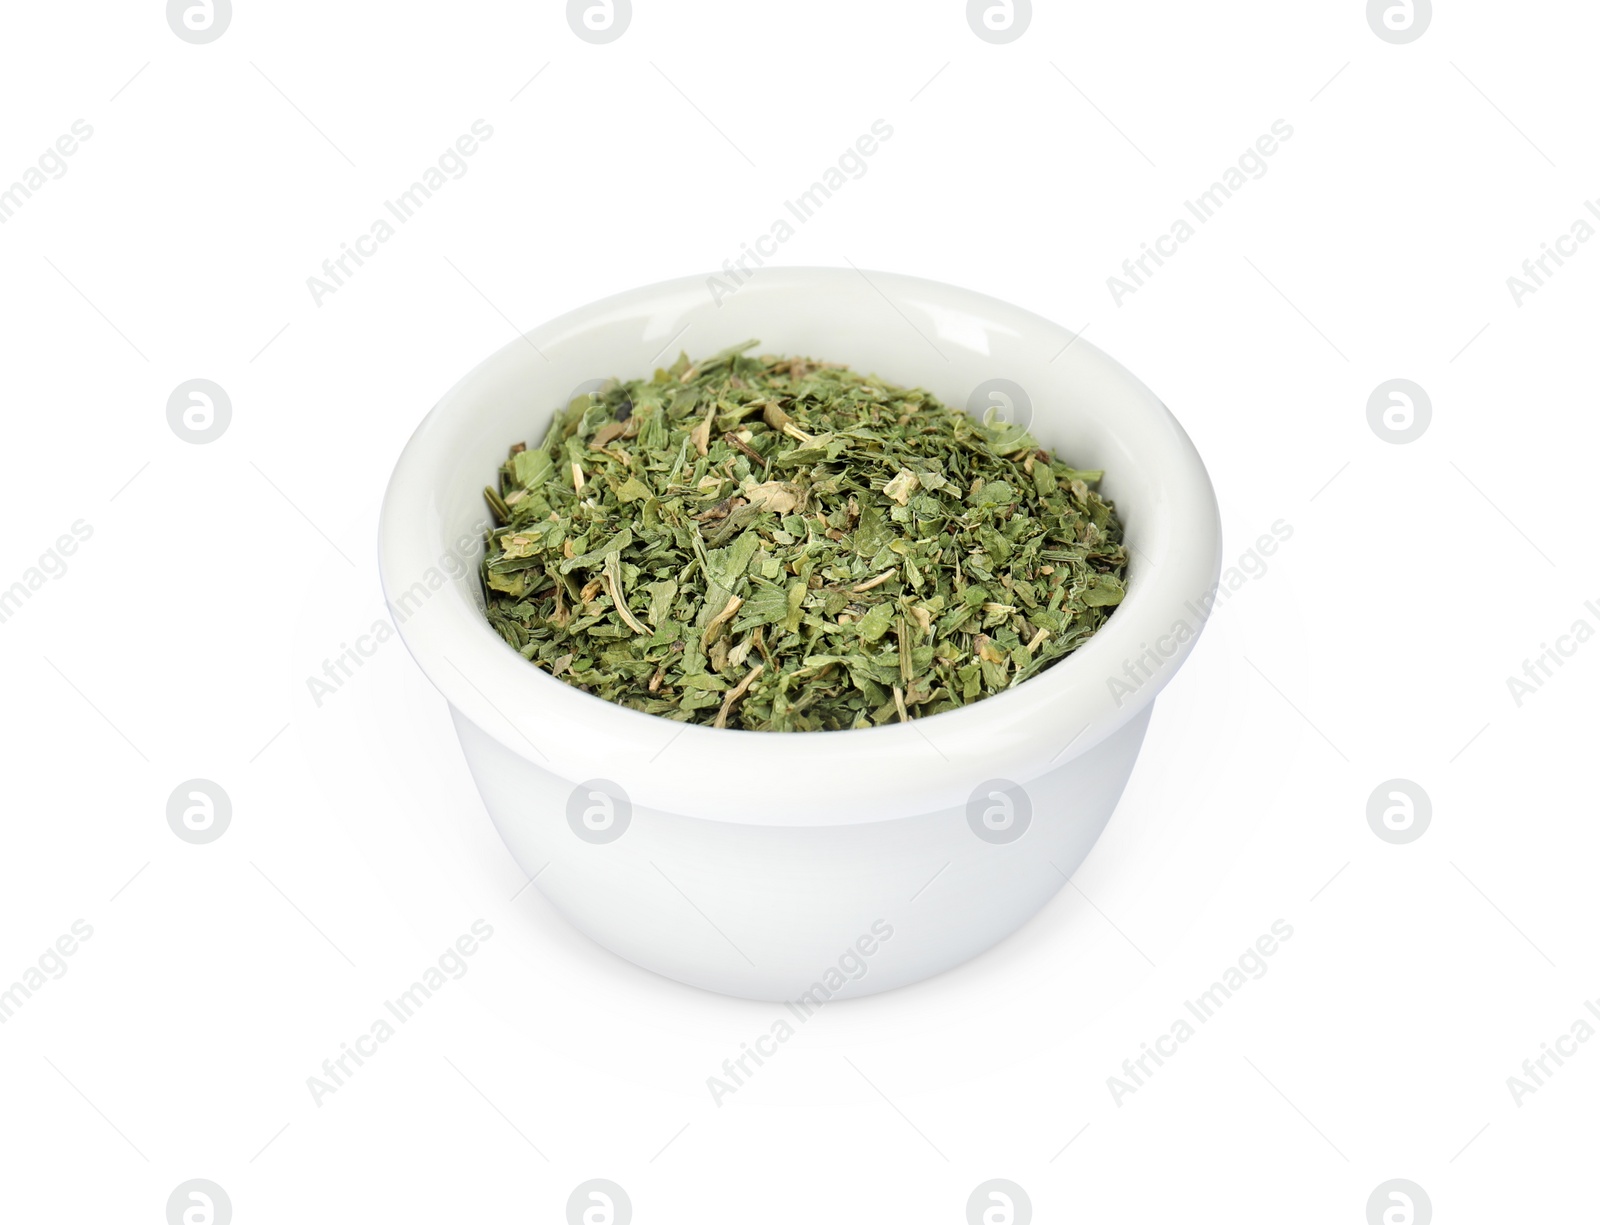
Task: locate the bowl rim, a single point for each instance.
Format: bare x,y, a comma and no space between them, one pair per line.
853,776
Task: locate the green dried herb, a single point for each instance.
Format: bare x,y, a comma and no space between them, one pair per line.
779,544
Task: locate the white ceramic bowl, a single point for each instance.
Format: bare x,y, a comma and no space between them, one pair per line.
803,866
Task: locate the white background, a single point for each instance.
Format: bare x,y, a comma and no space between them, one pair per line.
219,577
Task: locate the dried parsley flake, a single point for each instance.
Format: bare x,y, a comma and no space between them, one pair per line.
780,544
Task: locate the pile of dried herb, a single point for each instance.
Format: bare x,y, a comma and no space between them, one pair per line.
779,544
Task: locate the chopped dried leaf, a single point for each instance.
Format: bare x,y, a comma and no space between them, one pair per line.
779,544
